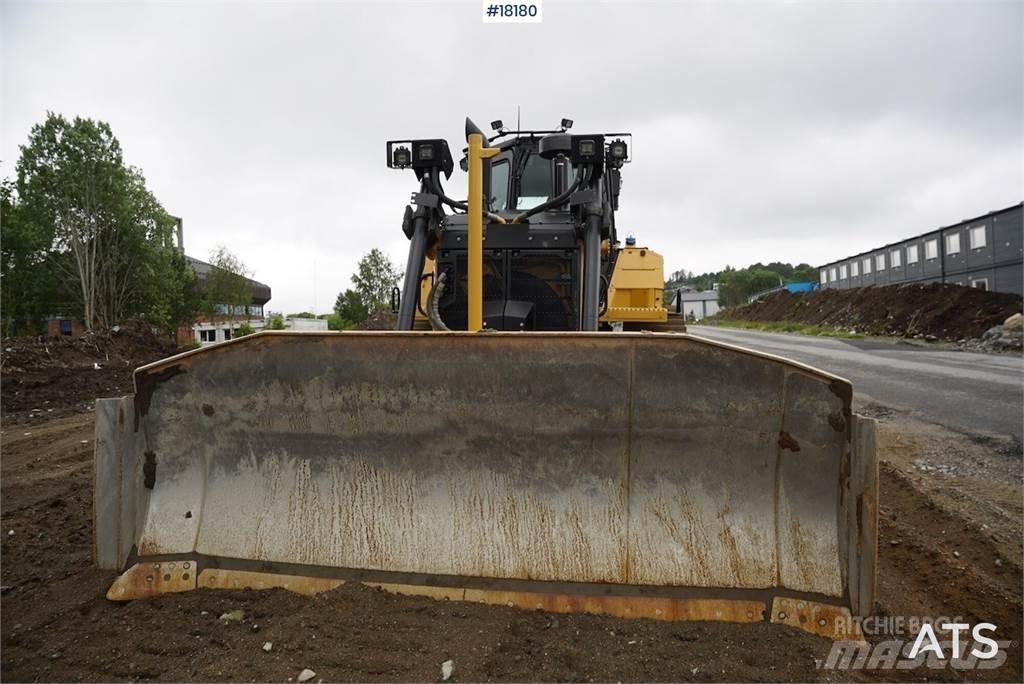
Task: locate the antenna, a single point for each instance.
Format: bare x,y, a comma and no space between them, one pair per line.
519,110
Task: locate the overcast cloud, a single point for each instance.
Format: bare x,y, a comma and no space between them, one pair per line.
763,131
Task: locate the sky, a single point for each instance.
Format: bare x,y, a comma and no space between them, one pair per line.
762,131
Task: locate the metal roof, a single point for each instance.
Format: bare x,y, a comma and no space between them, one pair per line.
705,296
922,235
260,291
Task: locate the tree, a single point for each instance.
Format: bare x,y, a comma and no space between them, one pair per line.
72,179
335,322
28,288
375,278
139,251
244,329
227,285
804,273
276,322
100,231
349,309
735,286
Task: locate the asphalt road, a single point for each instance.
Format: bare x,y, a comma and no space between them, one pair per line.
971,392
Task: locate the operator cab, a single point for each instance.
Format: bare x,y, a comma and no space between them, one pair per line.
549,201
521,179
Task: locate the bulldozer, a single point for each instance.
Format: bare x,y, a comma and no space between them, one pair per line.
538,431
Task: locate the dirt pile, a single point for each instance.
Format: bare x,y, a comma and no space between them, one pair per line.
382,320
45,377
934,311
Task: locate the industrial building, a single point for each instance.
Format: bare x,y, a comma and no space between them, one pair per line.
986,252
694,305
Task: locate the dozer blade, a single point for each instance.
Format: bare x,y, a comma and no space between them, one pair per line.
645,475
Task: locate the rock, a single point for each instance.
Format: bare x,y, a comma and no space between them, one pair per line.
931,338
233,616
993,332
894,542
999,562
306,675
255,627
1014,322
95,366
10,533
447,670
956,554
267,646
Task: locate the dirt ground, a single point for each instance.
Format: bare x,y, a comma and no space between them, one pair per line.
933,311
49,377
950,546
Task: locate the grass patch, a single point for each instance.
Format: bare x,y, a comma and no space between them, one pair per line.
785,327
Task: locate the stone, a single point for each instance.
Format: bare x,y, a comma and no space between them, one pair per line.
1014,322
306,675
993,332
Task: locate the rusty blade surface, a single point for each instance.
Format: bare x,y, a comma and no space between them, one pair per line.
634,459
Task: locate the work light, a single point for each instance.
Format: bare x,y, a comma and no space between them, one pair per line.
618,151
400,158
587,149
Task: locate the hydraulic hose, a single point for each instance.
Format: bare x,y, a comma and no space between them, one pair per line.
582,176
606,285
461,206
419,308
432,301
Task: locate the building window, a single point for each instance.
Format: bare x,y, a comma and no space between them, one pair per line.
227,334
832,274
854,269
842,272
823,276
880,262
867,266
894,258
980,283
931,249
207,335
977,237
911,254
953,243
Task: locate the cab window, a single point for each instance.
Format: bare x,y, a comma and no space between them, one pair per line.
535,187
499,186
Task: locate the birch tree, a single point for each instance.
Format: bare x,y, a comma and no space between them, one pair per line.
108,237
